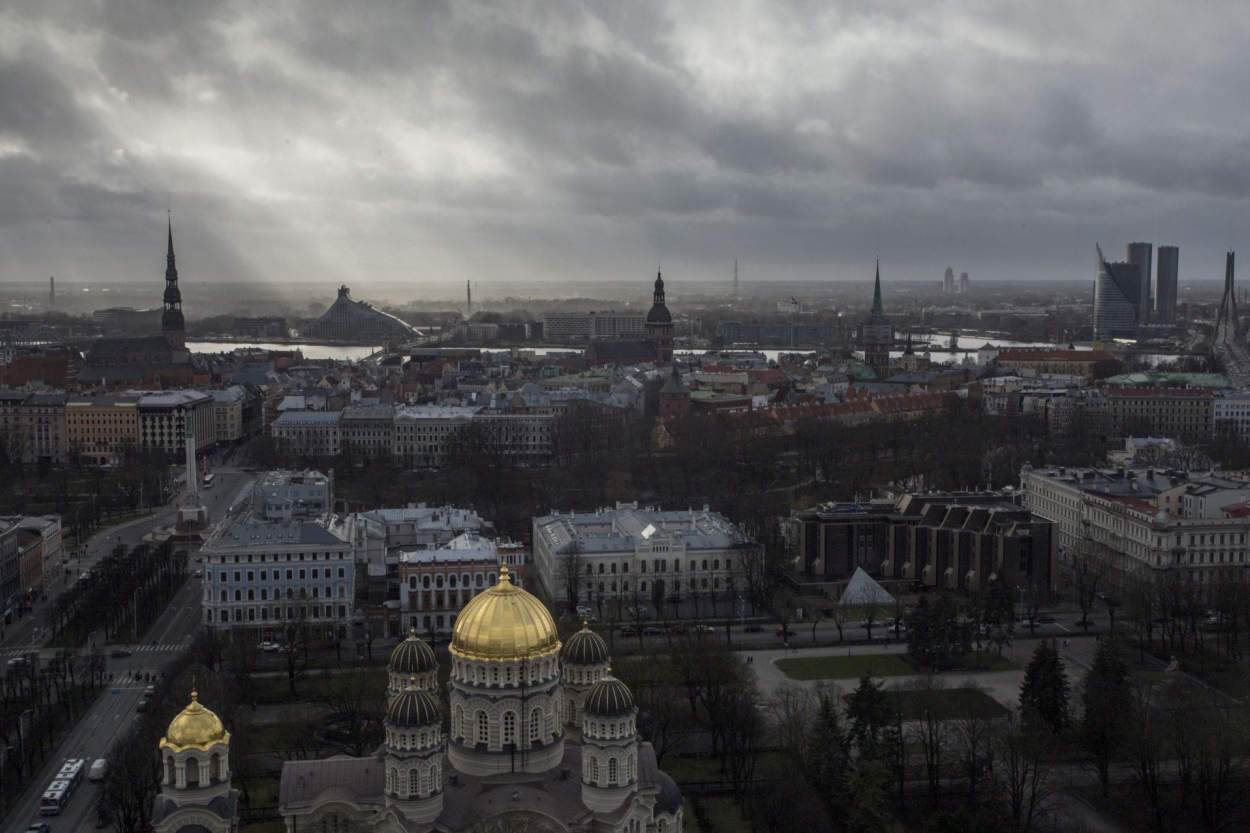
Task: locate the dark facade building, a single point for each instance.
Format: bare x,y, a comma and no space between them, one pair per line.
877,334
1117,297
267,327
660,324
963,541
356,321
1139,254
172,325
1165,284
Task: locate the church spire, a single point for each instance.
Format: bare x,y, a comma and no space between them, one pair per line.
172,325
878,309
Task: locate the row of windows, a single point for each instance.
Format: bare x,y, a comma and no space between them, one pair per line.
277,594
661,566
314,612
223,576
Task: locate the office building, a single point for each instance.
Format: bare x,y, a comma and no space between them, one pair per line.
1117,288
964,284
1139,254
584,326
955,541
281,558
100,428
948,281
368,430
1165,284
163,418
424,433
310,433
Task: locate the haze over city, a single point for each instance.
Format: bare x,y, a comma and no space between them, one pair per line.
573,143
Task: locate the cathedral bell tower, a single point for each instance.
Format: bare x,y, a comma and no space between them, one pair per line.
172,325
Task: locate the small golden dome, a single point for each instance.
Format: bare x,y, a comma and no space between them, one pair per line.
196,727
504,623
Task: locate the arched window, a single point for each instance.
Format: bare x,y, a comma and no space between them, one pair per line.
238,595
536,724
457,725
414,781
629,768
612,772
170,772
509,728
225,596
391,777
483,728
594,770
214,768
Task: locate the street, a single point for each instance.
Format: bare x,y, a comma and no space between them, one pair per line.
115,707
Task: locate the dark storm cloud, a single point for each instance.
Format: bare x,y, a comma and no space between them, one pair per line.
487,139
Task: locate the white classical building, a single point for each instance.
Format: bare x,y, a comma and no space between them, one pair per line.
627,551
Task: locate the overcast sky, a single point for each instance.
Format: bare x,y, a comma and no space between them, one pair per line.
587,140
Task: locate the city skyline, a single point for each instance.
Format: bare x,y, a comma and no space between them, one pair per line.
575,143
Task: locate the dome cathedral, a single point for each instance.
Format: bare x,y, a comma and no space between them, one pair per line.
504,623
585,648
412,656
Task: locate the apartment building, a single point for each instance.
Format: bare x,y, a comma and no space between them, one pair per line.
423,432
627,552
584,326
101,427
1140,519
33,426
368,430
1231,413
228,413
437,581
1184,414
163,418
310,433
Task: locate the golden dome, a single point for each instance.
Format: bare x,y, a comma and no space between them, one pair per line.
504,623
196,727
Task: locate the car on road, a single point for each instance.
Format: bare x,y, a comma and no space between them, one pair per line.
269,647
198,574
150,691
752,628
39,827
98,769
19,662
653,631
142,705
629,631
703,628
785,633
119,653
1047,620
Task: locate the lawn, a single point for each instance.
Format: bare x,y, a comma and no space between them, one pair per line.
946,704
722,812
845,667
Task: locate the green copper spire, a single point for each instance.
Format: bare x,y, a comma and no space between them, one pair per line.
877,309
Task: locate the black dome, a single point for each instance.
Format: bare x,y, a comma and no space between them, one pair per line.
609,698
413,708
659,315
412,656
585,648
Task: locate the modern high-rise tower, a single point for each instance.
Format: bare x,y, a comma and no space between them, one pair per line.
51,293
1116,288
948,281
1165,284
172,325
963,282
1139,255
1227,323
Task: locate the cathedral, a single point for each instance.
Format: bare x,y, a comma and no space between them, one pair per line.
540,734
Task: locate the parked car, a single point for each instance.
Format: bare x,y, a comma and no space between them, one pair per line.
19,662
652,631
629,630
639,612
752,628
39,827
269,647
119,653
703,628
1046,620
785,633
142,705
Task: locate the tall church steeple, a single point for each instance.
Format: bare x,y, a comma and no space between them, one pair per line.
878,309
172,325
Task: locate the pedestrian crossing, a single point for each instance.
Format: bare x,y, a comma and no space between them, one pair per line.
9,653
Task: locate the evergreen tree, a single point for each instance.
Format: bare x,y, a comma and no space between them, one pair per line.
1044,692
1108,703
870,712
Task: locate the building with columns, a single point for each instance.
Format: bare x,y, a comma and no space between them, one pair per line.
537,732
195,795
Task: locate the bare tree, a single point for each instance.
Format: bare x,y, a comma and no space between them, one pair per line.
1023,772
1092,562
569,573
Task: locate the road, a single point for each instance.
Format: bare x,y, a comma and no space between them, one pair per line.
113,710
29,631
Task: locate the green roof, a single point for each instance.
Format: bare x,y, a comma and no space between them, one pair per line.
1153,377
862,372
